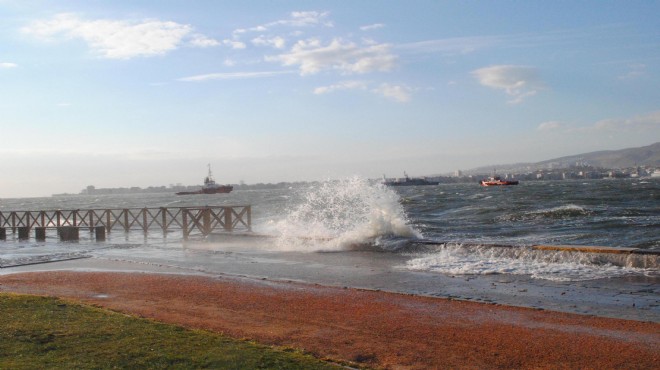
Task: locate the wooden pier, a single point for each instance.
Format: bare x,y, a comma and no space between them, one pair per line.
190,220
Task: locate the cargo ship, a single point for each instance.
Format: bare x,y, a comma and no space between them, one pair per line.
209,187
407,181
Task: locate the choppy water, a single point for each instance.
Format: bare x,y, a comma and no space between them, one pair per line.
444,229
614,213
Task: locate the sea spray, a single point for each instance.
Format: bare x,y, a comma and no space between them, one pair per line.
343,214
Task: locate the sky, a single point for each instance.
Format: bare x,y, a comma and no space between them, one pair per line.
147,93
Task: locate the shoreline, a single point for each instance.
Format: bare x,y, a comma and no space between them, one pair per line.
368,327
632,298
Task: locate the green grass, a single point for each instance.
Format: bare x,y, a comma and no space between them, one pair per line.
43,332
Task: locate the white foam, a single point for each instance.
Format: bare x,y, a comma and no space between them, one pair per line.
557,266
336,215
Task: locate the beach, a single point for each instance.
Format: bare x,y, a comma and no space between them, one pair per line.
357,326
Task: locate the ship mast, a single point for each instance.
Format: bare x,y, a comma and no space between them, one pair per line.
209,178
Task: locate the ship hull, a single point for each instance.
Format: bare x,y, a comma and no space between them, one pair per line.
410,183
219,190
498,183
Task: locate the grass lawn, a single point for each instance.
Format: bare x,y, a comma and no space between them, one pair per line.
43,332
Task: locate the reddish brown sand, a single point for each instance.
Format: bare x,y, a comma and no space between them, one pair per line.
373,328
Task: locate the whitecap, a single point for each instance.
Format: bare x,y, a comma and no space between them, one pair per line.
556,266
338,215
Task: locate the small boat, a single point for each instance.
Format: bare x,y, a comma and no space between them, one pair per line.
209,187
407,181
497,181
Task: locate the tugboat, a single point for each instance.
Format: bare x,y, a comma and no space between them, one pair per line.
407,181
210,187
497,181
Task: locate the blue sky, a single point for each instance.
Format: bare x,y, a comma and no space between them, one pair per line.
140,93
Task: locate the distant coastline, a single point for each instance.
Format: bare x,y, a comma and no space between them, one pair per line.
93,190
641,162
550,174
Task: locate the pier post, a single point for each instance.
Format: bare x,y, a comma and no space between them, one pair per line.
145,222
100,233
228,220
249,218
184,215
108,220
163,211
23,233
126,226
40,234
206,219
68,233
3,233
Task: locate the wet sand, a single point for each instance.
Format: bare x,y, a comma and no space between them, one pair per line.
367,327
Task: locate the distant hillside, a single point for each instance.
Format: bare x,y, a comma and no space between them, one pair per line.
643,156
624,158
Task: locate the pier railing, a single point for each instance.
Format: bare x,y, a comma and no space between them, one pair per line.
203,220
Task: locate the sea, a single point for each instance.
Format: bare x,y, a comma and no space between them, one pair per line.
447,229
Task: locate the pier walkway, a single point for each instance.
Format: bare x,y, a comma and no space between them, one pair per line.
190,220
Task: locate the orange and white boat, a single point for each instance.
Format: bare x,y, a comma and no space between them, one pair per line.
497,181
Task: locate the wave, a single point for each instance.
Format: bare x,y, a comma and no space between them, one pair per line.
460,259
342,215
568,211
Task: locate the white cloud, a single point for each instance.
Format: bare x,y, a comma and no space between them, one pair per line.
519,82
232,76
119,39
276,42
8,65
309,18
347,57
636,123
372,27
634,71
203,41
344,85
299,19
550,126
296,19
455,45
234,44
397,93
